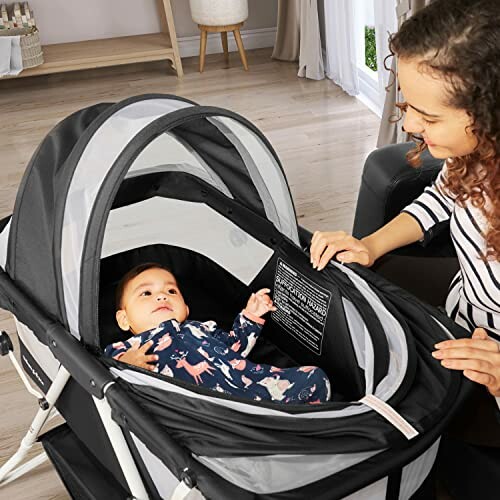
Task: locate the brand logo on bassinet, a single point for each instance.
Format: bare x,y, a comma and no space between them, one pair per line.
33,371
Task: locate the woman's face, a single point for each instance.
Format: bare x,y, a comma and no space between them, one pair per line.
442,127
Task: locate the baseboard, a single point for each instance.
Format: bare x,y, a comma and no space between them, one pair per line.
368,92
252,39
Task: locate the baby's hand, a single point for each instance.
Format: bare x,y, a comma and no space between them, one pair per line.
260,303
137,356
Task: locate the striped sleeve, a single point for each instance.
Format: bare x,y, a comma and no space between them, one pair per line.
433,208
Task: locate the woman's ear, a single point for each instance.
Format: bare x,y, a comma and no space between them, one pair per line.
122,320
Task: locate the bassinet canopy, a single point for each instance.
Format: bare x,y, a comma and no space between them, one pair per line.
64,201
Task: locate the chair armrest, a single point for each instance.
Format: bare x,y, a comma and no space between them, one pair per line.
388,185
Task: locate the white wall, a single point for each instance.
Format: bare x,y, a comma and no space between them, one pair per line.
75,20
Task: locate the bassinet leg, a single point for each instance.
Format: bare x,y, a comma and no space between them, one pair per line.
121,449
8,471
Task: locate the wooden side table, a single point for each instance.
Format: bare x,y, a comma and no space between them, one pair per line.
223,30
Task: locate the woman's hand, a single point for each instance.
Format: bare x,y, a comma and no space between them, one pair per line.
137,356
324,245
478,358
260,303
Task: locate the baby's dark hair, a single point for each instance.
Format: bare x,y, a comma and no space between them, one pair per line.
460,40
130,275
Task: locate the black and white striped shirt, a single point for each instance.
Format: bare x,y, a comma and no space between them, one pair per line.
474,295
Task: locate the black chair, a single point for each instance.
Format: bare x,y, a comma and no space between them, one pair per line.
389,184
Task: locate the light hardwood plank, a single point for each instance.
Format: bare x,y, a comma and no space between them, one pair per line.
321,134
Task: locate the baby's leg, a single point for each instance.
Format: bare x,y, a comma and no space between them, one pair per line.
304,384
307,384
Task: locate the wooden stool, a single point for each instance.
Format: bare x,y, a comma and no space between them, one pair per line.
235,28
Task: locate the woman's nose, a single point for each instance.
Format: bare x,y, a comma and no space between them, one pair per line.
412,124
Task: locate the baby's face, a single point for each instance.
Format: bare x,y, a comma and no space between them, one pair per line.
149,299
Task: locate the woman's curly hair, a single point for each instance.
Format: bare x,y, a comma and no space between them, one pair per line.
460,39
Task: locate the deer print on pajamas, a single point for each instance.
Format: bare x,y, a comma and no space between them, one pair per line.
207,356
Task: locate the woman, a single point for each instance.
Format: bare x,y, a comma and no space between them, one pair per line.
448,69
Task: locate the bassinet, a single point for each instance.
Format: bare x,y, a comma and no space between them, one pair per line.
200,189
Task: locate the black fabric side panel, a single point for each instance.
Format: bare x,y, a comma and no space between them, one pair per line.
24,309
206,139
33,369
82,475
80,413
213,430
394,485
30,257
469,472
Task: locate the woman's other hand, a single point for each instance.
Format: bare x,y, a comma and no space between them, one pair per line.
478,358
324,245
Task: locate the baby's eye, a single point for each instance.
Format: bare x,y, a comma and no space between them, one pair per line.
172,291
146,293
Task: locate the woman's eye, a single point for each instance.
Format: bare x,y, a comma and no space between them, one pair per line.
428,122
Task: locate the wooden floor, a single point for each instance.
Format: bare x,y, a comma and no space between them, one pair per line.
321,134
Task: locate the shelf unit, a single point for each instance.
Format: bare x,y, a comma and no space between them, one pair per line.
91,54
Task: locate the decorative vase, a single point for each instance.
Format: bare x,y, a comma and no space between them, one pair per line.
218,12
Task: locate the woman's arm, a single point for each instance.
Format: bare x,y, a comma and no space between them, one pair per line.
402,230
417,220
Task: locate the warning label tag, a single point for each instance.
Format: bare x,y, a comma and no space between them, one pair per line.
302,306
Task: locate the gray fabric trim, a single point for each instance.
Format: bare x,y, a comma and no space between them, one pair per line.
415,472
164,480
361,341
147,223
276,473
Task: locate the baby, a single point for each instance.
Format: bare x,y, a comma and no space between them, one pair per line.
151,307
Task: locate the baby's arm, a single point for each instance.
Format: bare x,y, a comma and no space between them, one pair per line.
133,354
117,349
248,324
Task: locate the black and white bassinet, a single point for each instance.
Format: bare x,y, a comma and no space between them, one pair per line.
200,189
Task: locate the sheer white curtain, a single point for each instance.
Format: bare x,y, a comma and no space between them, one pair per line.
340,45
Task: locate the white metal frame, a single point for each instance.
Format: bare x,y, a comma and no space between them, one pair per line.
121,448
11,469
